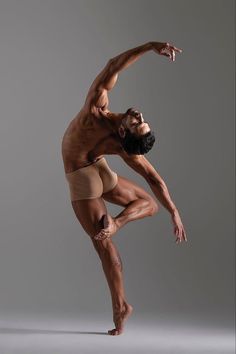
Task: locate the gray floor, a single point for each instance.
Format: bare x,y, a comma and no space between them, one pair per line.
142,335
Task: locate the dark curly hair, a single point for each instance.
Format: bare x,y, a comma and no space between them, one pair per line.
138,145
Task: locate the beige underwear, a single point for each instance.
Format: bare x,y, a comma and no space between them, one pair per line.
91,181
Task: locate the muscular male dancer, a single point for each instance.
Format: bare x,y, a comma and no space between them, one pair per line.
94,132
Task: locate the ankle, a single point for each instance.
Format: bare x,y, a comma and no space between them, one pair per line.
119,306
118,221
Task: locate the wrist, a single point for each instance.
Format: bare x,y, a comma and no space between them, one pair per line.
149,45
146,47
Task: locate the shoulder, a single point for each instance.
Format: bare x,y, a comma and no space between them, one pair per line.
134,161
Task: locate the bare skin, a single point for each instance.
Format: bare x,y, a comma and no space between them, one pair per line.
94,132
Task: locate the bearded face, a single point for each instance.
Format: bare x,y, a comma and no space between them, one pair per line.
136,135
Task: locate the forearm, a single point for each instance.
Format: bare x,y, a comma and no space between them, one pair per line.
162,194
123,60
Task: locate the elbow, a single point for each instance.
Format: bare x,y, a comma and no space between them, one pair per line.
111,62
109,65
113,65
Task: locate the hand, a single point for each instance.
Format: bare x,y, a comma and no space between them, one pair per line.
165,49
178,228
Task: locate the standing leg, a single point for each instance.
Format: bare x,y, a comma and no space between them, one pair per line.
112,267
90,214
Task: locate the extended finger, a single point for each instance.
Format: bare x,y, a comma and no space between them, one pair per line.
178,50
173,54
185,236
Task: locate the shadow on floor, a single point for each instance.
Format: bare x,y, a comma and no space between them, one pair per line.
43,331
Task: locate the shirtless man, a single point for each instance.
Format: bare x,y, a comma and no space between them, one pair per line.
94,132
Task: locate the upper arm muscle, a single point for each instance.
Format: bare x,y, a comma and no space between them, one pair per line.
98,98
105,81
141,165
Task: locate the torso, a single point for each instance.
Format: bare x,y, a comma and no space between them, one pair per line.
87,138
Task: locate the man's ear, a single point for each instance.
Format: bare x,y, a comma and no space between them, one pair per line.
105,114
122,131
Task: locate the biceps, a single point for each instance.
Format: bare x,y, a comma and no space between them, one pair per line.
98,92
142,166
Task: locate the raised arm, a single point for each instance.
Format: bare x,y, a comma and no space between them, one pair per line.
97,96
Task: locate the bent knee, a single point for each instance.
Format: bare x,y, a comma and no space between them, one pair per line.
154,207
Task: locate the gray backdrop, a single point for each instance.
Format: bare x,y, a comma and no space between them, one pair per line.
50,53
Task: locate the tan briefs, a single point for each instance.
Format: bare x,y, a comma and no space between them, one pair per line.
91,181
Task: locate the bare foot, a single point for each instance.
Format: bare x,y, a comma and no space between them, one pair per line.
119,319
109,228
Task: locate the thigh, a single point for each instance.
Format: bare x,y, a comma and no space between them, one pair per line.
90,212
125,192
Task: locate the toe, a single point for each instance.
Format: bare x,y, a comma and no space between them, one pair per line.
102,234
99,238
115,332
